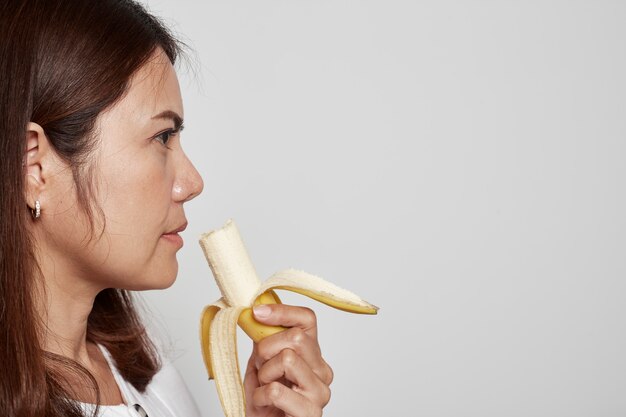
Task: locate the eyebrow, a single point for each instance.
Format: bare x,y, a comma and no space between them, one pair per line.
169,114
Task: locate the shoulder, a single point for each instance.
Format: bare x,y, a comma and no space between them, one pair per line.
166,395
168,378
169,388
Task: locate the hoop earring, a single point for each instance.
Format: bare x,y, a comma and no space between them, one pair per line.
36,213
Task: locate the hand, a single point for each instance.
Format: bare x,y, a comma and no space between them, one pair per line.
286,375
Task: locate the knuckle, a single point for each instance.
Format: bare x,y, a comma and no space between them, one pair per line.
288,358
309,312
262,376
274,391
331,375
310,316
263,351
257,396
326,393
297,336
325,373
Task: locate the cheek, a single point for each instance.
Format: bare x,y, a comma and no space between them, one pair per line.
137,200
67,228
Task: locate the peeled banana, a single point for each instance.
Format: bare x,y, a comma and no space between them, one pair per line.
241,289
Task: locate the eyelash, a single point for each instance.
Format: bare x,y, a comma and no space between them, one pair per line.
166,136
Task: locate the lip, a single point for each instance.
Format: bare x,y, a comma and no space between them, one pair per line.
174,237
179,229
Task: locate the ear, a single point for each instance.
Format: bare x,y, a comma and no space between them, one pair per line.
37,150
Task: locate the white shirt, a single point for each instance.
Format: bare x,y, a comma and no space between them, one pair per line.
165,396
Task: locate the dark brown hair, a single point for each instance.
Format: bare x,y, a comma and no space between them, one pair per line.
62,62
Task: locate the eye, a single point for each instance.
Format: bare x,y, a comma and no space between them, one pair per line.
164,137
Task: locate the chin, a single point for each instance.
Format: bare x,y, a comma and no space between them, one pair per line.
165,283
163,278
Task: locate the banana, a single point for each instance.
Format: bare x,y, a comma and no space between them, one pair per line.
241,289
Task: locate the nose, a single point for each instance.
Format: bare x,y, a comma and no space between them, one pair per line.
188,183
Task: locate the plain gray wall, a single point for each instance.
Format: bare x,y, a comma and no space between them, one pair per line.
460,164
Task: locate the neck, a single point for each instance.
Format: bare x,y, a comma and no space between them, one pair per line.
64,305
64,299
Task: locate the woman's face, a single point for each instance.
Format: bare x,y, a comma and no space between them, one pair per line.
142,178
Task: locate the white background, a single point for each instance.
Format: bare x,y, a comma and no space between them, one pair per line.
458,163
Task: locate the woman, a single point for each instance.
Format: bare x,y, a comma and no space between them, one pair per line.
93,183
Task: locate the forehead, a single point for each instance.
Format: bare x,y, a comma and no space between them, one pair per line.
153,89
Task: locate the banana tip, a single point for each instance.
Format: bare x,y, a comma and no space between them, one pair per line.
210,232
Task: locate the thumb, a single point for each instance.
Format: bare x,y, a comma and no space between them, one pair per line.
285,315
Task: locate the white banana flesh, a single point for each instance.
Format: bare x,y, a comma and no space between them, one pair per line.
241,289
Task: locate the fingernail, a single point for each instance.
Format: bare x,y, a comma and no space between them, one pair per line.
262,311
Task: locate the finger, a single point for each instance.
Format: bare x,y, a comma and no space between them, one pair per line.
251,380
289,365
304,345
291,402
259,362
287,316
250,383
